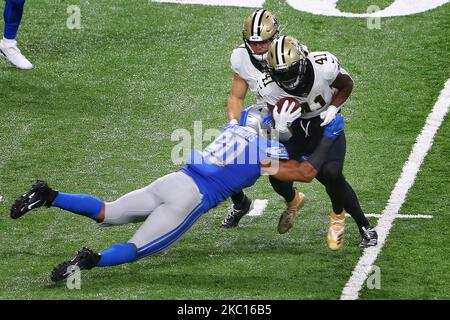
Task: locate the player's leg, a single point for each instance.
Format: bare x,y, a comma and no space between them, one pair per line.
240,207
352,206
342,197
41,194
12,15
132,207
294,199
180,207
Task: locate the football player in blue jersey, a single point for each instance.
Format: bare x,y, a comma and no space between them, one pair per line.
170,205
12,14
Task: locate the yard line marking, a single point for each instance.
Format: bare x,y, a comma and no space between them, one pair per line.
398,216
420,149
258,207
233,3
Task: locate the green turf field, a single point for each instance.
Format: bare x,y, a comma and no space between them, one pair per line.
96,115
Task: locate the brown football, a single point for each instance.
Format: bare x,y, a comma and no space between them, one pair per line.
280,103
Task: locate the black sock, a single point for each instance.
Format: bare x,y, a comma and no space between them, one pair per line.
351,205
238,199
283,188
52,194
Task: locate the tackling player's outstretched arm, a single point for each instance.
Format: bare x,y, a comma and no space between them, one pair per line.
236,98
305,171
290,170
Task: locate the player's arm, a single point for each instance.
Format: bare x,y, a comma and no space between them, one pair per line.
305,171
344,84
236,98
337,78
289,170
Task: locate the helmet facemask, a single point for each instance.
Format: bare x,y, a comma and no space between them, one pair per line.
258,119
287,63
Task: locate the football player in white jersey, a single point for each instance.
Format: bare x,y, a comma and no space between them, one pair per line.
249,62
321,86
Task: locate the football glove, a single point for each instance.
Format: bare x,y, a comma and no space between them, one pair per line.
328,115
335,128
285,117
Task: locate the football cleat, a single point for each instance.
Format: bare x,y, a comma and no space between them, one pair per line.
40,194
369,238
85,259
289,215
9,50
335,237
234,215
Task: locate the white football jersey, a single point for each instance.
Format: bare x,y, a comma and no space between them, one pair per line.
325,69
249,70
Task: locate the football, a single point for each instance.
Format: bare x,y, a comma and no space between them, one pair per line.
280,103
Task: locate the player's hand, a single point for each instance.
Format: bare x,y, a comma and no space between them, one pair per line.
335,128
328,115
233,121
285,117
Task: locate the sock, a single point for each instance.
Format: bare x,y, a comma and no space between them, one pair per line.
238,198
82,204
118,253
283,188
12,14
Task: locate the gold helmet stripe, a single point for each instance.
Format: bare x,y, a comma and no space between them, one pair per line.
280,51
256,23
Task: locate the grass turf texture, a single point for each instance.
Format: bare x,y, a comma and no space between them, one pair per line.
96,116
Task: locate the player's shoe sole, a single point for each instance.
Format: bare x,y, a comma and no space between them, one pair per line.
85,259
335,237
288,216
40,194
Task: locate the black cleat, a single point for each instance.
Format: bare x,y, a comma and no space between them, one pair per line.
369,238
39,195
234,215
85,259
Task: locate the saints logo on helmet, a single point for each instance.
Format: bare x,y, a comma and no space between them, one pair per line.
260,27
287,62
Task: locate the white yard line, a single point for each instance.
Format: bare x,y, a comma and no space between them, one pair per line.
420,149
398,216
258,207
234,3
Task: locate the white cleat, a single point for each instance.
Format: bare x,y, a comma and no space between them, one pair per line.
9,50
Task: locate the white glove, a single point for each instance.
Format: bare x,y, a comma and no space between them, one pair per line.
233,121
328,115
285,117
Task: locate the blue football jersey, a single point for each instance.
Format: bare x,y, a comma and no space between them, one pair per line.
230,163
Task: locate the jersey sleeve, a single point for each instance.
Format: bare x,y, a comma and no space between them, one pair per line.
330,67
236,61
